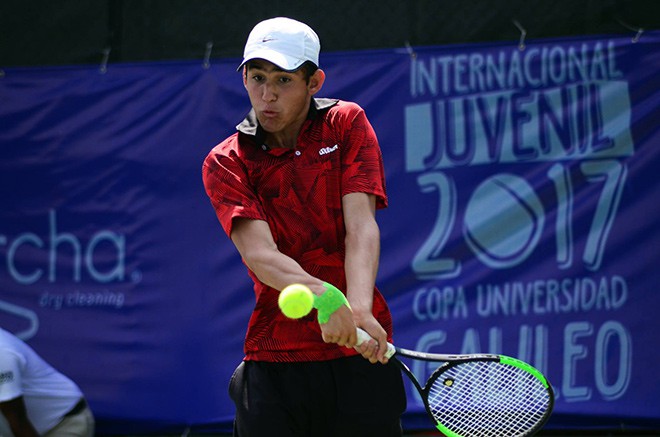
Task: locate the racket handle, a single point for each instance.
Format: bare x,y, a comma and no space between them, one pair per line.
363,336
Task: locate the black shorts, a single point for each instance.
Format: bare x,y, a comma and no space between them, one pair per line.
338,398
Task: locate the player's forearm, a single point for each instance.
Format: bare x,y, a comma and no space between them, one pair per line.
277,270
362,257
255,243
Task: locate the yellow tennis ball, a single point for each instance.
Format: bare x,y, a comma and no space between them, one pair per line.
296,301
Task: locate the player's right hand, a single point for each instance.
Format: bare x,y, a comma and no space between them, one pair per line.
340,328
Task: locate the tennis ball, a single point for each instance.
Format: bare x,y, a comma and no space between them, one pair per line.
296,301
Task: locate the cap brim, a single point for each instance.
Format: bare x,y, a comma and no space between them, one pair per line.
286,63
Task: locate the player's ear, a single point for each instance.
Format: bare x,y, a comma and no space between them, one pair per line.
316,81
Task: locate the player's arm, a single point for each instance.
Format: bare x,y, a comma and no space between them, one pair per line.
257,247
362,257
15,413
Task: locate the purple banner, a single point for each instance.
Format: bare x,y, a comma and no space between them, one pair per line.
523,220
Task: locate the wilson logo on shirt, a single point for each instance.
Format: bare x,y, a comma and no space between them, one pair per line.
326,150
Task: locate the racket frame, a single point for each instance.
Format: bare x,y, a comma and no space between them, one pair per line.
453,360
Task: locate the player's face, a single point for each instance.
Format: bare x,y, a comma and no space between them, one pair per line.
280,99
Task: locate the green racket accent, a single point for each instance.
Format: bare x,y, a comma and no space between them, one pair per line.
484,395
487,397
446,431
526,367
329,302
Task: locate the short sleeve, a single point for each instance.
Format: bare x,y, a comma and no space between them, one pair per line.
226,184
362,159
10,375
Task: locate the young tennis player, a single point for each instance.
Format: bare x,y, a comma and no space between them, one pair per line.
296,189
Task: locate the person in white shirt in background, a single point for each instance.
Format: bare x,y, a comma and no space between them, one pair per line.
36,399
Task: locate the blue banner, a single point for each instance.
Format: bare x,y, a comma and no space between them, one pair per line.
523,220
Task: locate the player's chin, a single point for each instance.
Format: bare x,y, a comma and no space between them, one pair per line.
270,123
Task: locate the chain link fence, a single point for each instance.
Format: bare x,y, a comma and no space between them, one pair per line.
74,32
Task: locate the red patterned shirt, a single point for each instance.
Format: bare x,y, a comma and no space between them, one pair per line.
298,193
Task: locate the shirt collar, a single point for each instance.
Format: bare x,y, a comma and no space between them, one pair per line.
250,125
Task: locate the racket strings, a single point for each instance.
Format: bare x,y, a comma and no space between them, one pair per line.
488,399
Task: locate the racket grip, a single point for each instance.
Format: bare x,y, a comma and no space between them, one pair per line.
363,336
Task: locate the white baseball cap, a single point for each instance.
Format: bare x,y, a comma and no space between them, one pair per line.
285,42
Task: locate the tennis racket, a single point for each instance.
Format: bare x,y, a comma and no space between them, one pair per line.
479,395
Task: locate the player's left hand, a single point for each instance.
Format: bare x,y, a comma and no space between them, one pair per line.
374,350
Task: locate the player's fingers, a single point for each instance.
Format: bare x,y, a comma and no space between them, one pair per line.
374,357
371,357
371,351
382,349
343,341
352,339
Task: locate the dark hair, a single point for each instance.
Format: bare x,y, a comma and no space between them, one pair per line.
308,68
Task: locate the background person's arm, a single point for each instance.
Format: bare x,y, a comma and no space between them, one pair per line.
15,413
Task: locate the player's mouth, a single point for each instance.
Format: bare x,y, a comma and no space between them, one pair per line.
268,111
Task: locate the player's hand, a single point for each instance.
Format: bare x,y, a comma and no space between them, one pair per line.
340,328
374,350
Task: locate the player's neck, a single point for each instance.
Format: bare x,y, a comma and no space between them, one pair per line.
281,140
286,138
287,135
